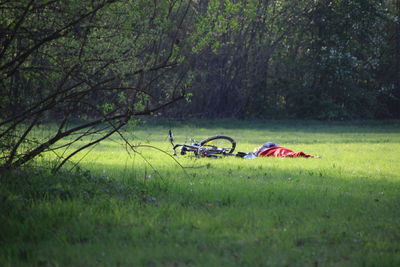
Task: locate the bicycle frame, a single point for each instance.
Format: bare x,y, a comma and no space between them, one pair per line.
198,150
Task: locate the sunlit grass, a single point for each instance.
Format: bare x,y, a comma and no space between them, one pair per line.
341,209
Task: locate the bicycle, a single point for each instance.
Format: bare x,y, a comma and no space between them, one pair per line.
212,147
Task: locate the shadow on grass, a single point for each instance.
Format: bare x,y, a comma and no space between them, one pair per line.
309,126
240,217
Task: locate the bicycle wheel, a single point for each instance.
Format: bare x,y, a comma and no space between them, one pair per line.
225,142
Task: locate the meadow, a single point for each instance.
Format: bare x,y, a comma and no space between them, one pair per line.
128,209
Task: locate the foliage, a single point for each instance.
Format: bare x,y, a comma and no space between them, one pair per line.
103,62
299,59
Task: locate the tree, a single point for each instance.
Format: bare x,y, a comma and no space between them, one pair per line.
102,61
341,53
298,59
230,77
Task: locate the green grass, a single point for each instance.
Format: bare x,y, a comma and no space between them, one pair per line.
340,210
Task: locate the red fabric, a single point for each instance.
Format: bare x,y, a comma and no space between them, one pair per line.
282,152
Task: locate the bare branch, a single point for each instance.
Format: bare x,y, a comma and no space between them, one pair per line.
89,144
19,59
9,40
19,142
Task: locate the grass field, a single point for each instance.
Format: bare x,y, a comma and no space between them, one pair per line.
119,210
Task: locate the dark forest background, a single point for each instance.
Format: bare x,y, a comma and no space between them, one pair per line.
301,59
103,63
337,59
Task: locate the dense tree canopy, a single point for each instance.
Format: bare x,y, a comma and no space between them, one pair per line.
300,59
105,62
